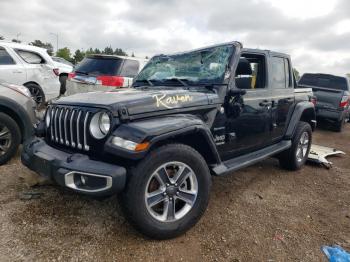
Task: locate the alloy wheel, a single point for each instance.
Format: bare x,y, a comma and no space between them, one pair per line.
303,146
36,94
5,139
171,192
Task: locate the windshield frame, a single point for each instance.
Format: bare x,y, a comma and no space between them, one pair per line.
222,80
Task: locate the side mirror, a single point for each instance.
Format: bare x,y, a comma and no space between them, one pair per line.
234,102
236,92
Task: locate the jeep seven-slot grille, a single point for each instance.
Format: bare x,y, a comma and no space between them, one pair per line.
69,126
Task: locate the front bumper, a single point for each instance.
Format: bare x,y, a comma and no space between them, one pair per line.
75,171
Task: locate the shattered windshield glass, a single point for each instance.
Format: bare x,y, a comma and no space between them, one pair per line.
207,66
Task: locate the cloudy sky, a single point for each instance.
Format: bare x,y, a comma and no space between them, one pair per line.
315,32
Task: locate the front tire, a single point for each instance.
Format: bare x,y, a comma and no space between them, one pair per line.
10,138
167,192
295,157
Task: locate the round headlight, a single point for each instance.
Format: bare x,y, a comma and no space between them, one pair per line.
105,123
100,125
48,117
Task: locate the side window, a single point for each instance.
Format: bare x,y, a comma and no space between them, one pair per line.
130,68
30,57
250,72
278,72
5,58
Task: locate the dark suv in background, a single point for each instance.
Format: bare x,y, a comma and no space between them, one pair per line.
332,93
103,73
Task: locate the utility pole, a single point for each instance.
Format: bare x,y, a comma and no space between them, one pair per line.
56,41
17,36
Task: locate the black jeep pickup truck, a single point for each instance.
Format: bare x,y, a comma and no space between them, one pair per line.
187,117
333,97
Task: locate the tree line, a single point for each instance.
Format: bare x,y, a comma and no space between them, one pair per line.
78,55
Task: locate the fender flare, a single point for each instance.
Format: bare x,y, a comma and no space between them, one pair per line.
20,115
159,131
302,110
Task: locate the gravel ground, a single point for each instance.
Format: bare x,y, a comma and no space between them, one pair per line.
261,213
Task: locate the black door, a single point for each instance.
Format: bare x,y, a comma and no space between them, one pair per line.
237,134
282,95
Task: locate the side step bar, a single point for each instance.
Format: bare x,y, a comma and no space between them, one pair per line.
251,158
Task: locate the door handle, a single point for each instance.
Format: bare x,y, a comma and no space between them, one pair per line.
17,71
265,103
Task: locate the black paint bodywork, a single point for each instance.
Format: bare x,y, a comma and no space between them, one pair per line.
198,116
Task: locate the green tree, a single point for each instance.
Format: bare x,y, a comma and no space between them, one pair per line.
2,38
296,74
47,46
119,51
78,56
132,54
97,51
108,50
89,51
348,75
146,57
16,41
64,53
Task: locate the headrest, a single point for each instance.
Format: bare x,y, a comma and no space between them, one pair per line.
243,67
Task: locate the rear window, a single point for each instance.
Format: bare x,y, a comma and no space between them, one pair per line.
333,82
130,68
99,66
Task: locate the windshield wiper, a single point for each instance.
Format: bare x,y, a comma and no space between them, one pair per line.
182,81
149,82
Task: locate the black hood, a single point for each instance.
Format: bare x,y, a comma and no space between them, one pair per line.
138,101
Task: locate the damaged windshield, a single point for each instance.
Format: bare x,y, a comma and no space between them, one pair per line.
206,66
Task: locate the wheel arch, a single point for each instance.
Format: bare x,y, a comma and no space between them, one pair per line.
32,83
304,111
198,139
309,116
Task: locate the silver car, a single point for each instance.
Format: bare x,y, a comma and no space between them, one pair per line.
17,119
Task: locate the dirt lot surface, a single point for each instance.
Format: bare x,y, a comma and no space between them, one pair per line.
261,213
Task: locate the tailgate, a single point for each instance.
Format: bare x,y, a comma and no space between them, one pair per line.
327,98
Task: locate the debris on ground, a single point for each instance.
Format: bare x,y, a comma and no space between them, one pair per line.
30,195
336,254
318,155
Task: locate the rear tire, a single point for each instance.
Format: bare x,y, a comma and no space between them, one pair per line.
10,138
295,157
340,125
155,218
37,94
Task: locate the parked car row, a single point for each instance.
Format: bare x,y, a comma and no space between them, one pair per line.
186,117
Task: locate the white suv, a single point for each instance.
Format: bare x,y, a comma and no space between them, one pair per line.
32,67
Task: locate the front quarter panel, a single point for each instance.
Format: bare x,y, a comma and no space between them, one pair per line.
153,130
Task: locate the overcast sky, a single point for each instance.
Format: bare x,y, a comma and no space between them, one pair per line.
316,33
